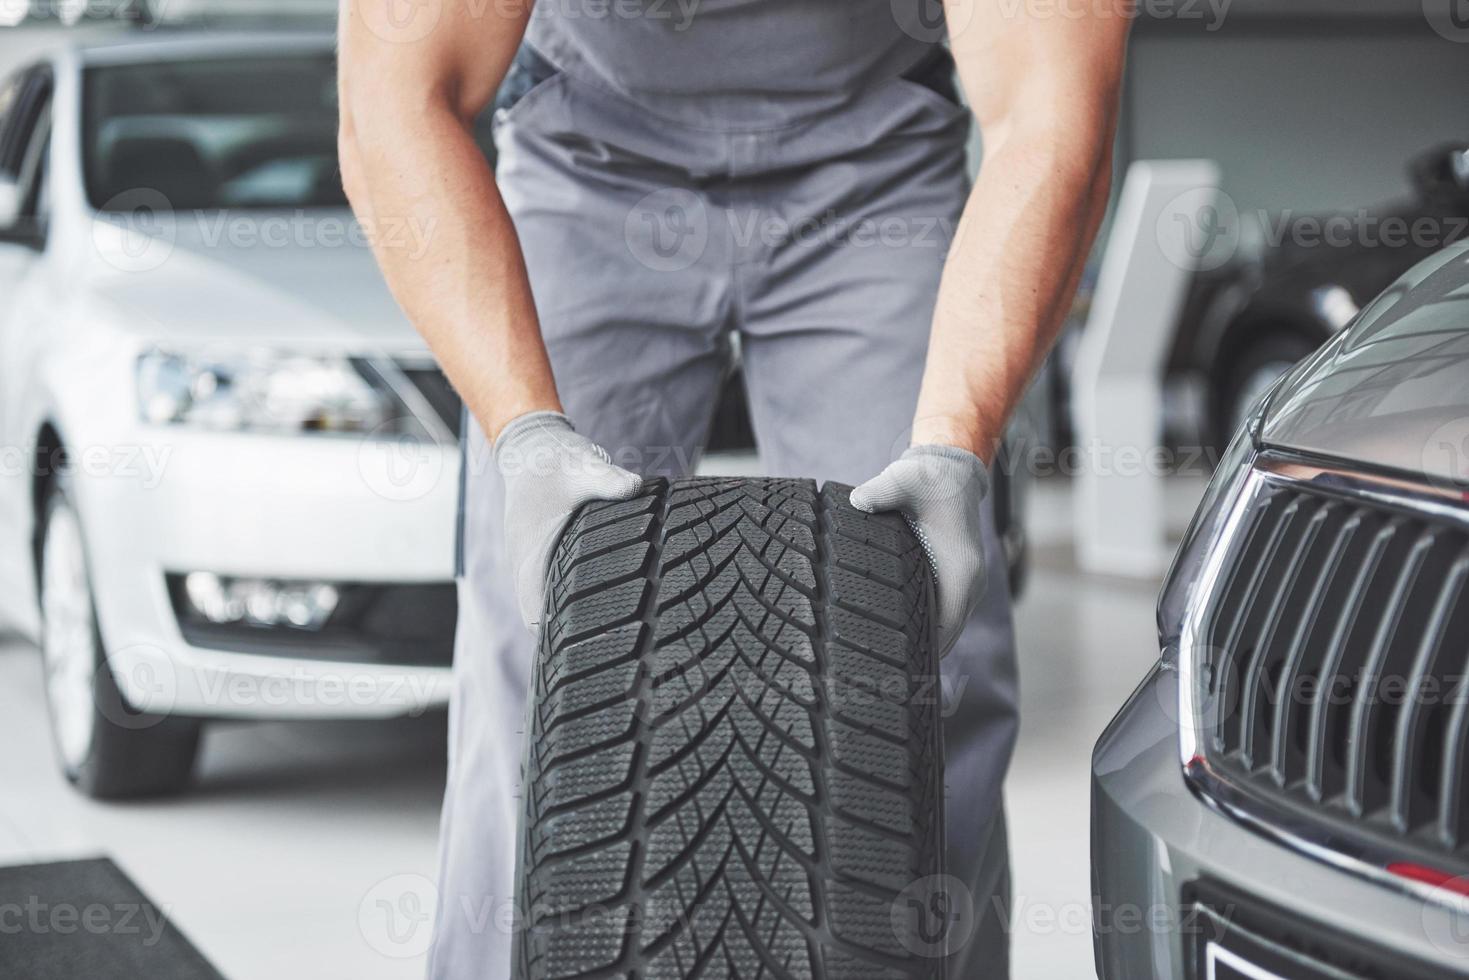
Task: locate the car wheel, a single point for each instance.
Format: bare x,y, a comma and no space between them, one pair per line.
734,759
1248,373
107,749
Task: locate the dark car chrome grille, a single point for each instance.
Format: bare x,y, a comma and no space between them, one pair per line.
1331,661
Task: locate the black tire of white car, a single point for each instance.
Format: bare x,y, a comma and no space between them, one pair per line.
129,753
1248,371
734,760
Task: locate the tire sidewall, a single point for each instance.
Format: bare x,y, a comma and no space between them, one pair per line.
59,497
1243,359
129,752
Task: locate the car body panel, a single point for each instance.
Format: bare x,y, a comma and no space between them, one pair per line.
270,279
101,290
1380,412
1152,836
1392,392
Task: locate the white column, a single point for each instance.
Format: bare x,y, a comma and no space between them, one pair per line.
1166,222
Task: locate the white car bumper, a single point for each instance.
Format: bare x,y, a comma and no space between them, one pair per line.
319,508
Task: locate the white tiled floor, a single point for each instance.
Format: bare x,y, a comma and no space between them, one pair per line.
265,864
269,863
1084,644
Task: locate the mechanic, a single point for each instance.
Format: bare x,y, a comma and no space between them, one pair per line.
670,175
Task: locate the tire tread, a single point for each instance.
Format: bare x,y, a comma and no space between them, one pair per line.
719,779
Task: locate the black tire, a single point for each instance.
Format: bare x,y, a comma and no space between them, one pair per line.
130,753
1243,365
734,765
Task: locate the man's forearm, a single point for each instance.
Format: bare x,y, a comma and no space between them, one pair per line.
409,159
1017,257
467,291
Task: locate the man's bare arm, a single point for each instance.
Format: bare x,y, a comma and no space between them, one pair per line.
1044,89
409,160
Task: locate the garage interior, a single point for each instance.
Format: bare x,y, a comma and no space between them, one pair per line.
292,826
278,859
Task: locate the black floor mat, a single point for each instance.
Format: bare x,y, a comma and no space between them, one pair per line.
70,920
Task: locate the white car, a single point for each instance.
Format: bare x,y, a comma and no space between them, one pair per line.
230,466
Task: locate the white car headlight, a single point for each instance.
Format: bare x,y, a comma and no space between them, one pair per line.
273,392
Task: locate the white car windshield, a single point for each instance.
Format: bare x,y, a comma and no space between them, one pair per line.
238,132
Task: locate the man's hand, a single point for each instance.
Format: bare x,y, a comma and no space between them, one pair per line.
549,472
940,490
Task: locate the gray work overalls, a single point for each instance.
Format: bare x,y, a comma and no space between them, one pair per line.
790,171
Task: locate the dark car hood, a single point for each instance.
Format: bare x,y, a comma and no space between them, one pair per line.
1392,390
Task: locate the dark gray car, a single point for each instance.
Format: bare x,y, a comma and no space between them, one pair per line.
1286,795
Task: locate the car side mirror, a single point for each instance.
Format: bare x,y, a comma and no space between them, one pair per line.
11,201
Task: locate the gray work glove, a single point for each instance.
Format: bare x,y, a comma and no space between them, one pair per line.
549,472
940,490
